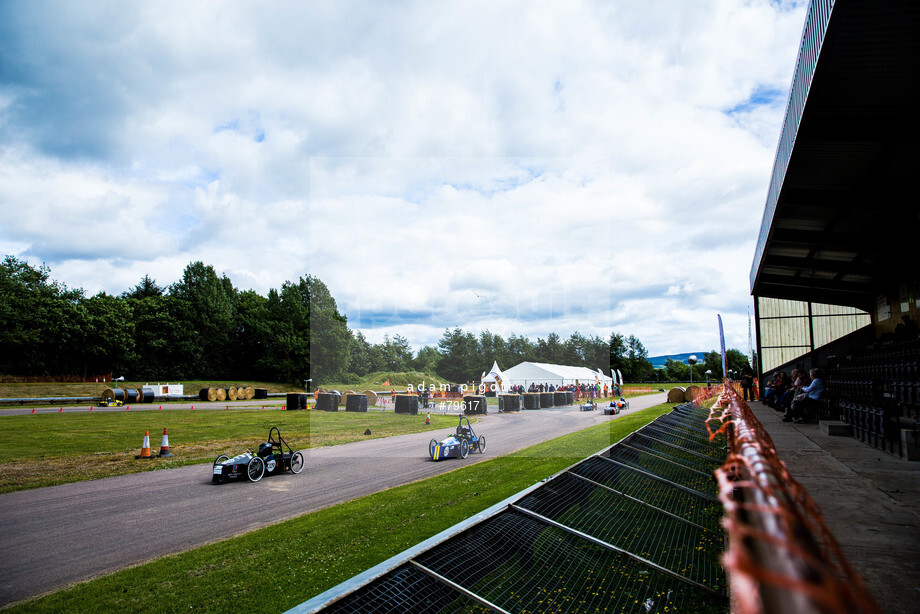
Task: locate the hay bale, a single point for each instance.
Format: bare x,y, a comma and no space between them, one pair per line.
203,394
326,401
112,395
355,402
406,404
531,400
130,395
220,394
371,397
231,393
475,405
677,394
693,392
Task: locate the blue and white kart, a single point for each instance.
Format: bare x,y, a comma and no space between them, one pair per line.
457,444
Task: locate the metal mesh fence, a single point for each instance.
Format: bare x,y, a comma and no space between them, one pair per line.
635,529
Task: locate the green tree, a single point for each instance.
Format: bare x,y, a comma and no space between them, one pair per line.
359,359
330,338
212,302
426,361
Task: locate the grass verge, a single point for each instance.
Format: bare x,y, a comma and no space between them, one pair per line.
285,564
47,449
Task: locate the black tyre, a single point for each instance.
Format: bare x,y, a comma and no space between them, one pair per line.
464,448
482,444
255,469
220,459
432,445
296,462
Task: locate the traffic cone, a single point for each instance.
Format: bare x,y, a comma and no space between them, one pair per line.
428,418
145,448
91,408
33,410
164,447
61,410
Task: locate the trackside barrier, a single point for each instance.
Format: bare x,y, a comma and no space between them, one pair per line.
781,556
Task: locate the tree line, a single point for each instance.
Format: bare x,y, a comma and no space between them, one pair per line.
202,327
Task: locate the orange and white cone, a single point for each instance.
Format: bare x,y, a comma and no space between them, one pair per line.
164,447
145,448
428,418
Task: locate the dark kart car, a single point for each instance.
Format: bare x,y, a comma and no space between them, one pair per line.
616,407
270,459
457,444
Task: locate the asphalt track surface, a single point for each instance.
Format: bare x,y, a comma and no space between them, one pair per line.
53,537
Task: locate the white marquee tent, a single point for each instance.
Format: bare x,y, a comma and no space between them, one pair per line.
528,373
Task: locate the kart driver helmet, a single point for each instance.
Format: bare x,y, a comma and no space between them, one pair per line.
265,449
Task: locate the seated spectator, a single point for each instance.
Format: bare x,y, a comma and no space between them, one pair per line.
799,381
775,390
804,407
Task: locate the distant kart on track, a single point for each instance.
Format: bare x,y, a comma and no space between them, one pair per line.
616,407
271,459
457,444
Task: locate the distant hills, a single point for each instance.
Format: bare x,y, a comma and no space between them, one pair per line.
660,361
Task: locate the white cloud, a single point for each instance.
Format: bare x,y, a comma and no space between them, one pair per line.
523,167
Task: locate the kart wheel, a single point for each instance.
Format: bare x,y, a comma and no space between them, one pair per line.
482,444
464,448
220,459
296,462
217,479
432,446
255,469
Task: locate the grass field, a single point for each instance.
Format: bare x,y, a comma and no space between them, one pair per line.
280,566
69,447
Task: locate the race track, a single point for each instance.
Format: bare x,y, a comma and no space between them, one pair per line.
55,536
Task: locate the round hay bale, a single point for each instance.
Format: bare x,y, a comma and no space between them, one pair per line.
509,402
475,405
260,393
203,394
140,395
326,401
546,399
406,404
231,393
693,392
677,394
355,402
130,395
371,397
531,400
220,394
149,395
112,395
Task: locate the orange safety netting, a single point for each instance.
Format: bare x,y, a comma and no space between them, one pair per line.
781,557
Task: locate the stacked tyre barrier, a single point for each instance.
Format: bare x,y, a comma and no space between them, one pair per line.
356,402
474,405
296,400
547,400
327,401
406,404
560,398
531,400
509,403
569,397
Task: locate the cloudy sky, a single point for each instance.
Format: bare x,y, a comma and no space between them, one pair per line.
518,166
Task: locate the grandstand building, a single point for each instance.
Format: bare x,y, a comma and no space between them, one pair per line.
833,274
